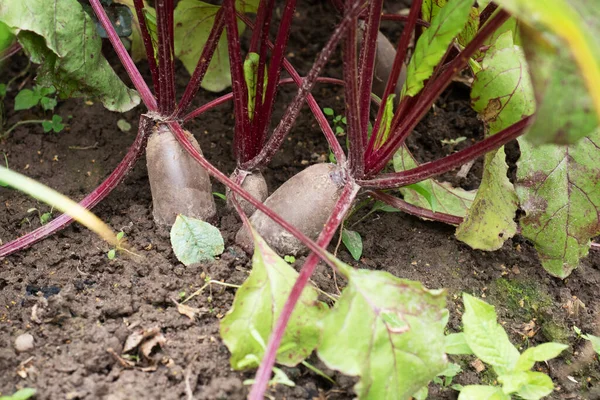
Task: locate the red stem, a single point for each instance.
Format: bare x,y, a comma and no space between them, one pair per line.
448,163
263,374
351,91
116,177
147,40
166,79
392,82
264,112
132,71
415,210
366,69
377,160
203,63
312,103
276,139
10,51
244,146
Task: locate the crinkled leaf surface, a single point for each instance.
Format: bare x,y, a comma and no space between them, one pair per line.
193,21
194,240
486,337
448,199
61,37
562,43
528,385
558,190
387,331
257,305
432,44
480,392
502,95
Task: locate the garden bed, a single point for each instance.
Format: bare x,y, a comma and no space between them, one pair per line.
78,304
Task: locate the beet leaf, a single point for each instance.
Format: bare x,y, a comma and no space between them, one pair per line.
70,58
257,305
194,240
387,331
502,95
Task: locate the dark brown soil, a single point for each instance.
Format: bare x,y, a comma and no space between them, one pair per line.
77,304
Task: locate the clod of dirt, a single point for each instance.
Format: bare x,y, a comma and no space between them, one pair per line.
24,343
179,185
306,200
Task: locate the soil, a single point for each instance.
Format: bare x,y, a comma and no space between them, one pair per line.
77,304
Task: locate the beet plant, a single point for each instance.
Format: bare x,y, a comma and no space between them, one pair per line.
389,332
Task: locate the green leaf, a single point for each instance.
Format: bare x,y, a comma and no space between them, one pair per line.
258,303
2,89
595,342
421,394
120,236
328,111
26,99
558,190
194,240
386,122
55,124
456,343
123,125
193,22
381,206
434,42
251,77
486,337
449,200
353,243
62,37
21,394
112,253
48,103
480,392
562,46
502,95
527,385
421,189
543,352
387,331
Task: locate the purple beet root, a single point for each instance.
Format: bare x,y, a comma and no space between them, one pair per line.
254,184
178,184
305,201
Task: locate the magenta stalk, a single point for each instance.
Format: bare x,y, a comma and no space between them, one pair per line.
113,180
166,78
147,40
264,371
132,71
415,210
276,139
203,62
448,163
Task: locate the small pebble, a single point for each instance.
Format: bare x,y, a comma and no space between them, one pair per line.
24,343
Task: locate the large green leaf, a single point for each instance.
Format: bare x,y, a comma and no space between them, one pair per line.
448,199
387,331
486,337
563,48
558,190
543,352
257,305
502,95
433,43
193,21
61,37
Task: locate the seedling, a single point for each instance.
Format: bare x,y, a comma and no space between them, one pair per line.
45,217
339,121
21,394
112,253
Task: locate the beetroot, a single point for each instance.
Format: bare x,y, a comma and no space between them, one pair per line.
178,184
305,201
255,184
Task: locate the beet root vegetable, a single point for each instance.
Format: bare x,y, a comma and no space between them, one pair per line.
305,201
255,184
178,184
384,60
